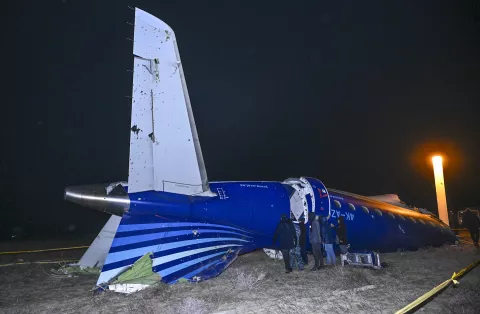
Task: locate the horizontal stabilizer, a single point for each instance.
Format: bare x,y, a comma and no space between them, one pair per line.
98,250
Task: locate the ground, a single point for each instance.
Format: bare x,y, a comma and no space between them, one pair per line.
252,284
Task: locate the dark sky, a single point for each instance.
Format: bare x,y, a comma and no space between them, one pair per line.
356,93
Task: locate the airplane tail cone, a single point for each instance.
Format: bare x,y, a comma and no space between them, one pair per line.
102,197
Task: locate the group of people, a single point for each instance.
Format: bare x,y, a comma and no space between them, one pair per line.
291,237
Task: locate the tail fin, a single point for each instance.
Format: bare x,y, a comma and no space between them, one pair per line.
165,153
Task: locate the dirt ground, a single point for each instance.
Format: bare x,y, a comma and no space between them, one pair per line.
253,284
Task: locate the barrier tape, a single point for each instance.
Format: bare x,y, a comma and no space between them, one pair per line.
47,250
38,262
427,296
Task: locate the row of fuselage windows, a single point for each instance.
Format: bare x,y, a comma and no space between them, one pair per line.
379,213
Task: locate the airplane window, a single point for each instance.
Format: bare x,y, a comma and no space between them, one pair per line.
352,207
412,219
365,209
401,217
337,203
378,212
391,215
421,221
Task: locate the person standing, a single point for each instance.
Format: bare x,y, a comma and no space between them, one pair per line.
303,241
342,239
316,241
295,253
327,238
287,240
472,223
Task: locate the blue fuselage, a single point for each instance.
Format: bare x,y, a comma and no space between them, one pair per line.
256,207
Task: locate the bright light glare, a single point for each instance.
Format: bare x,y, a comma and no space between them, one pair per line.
437,161
440,188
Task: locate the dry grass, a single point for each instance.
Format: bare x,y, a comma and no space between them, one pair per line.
256,283
192,306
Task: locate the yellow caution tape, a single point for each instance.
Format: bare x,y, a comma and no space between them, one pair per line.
47,250
38,262
421,300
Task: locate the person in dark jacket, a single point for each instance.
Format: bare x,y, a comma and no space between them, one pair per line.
328,239
287,239
342,234
341,238
296,260
472,223
316,241
303,241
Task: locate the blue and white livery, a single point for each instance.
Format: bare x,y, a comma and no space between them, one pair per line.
192,228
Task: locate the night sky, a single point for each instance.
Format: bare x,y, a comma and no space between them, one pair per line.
356,93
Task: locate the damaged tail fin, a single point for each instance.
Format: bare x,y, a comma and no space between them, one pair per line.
165,153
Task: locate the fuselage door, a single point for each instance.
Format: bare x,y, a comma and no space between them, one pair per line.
302,200
320,196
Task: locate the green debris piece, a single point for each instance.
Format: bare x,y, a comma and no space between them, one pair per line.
140,273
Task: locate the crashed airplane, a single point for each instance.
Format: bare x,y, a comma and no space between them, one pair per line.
180,226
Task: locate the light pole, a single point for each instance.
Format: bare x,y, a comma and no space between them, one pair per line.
440,189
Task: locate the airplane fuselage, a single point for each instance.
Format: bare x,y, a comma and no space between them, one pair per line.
256,207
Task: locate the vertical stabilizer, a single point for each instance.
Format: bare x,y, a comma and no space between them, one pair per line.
165,153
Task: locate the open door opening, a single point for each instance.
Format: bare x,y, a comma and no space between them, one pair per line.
302,199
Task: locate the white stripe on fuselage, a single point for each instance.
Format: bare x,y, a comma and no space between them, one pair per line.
167,234
168,258
123,255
